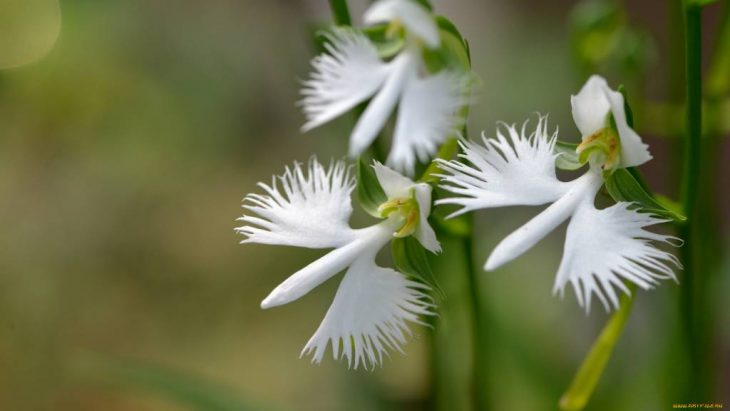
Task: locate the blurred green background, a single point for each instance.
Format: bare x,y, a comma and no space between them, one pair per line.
126,147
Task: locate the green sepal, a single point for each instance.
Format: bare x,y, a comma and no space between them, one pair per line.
453,51
568,158
622,186
387,46
447,26
369,192
627,107
669,204
410,258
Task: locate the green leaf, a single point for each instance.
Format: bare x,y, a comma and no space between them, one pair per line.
622,186
568,158
410,258
369,192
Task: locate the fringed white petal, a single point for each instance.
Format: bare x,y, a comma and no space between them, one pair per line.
364,241
605,247
369,315
590,106
428,114
518,169
347,75
542,224
305,207
633,151
379,109
416,18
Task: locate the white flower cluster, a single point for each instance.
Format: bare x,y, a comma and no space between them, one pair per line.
309,205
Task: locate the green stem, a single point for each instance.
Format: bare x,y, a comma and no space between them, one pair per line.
479,338
340,12
693,49
585,380
690,187
447,151
479,392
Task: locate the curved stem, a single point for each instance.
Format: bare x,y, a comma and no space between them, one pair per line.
690,183
340,12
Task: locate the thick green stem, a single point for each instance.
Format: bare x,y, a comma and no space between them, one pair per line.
690,188
585,380
479,338
340,12
693,64
480,399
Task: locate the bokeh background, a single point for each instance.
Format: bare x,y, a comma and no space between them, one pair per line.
130,131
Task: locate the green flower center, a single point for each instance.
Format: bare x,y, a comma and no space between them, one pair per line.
406,210
603,147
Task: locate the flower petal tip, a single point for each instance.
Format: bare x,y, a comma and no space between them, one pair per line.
492,263
268,303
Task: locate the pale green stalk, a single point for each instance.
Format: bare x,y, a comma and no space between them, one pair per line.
584,382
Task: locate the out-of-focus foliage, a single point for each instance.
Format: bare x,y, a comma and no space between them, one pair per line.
124,153
604,40
28,30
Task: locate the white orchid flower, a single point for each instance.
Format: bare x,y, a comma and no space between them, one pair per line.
310,207
593,108
351,72
602,247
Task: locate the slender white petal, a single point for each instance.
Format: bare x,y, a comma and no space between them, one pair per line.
542,224
416,18
428,114
424,232
304,208
605,247
633,151
369,315
314,274
590,106
348,74
373,119
514,170
394,184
